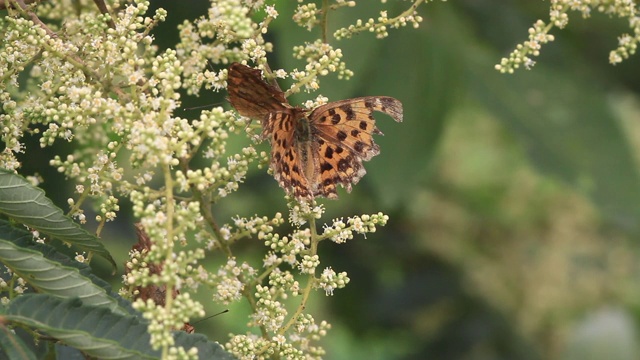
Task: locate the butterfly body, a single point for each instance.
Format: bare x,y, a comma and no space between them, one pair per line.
311,151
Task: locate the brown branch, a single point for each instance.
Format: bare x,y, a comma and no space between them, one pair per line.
5,6
34,17
105,11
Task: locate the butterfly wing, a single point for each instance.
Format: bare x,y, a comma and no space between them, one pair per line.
251,95
292,159
311,154
343,131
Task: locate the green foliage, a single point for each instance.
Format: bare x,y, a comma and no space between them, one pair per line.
49,276
29,205
13,346
96,330
73,306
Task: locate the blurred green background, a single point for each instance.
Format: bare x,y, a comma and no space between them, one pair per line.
514,199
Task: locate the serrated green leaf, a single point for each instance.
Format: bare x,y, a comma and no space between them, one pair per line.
51,277
24,239
29,205
97,331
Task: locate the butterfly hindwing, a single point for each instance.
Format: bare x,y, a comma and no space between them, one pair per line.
337,165
289,162
344,129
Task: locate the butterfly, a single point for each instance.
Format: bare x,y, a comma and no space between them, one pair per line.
312,151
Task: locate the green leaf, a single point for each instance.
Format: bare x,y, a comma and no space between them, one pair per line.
29,205
12,346
64,352
97,331
23,239
207,349
51,277
94,330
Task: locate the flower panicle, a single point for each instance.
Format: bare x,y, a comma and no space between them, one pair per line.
539,33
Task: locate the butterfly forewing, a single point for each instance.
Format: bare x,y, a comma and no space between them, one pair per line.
251,95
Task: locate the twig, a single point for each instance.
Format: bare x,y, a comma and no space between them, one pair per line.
34,17
5,6
325,12
104,10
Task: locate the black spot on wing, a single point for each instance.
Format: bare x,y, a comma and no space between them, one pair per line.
289,155
370,103
326,167
328,153
348,110
387,102
343,164
341,135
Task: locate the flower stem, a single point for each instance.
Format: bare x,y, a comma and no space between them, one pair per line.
168,182
313,250
325,12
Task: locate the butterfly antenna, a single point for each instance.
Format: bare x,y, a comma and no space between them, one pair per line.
202,106
209,317
271,78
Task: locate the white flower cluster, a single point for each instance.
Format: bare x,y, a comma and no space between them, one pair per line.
383,23
330,281
301,212
227,34
230,281
306,15
162,320
6,292
321,59
339,231
559,17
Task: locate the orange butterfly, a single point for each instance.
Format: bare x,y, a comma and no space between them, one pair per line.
311,150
